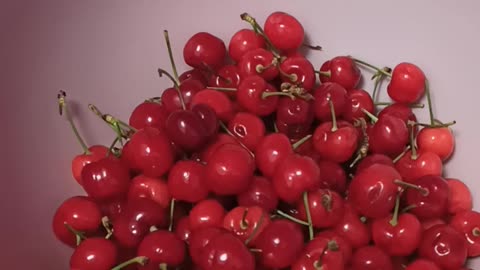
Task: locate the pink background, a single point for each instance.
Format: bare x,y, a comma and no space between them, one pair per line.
107,52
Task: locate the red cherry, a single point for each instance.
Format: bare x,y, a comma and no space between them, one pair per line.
220,140
94,254
321,253
341,244
374,159
326,208
371,258
336,142
183,229
243,41
187,130
357,101
271,151
148,114
227,76
258,62
186,181
295,131
189,88
445,246
343,70
113,209
407,84
199,239
298,71
400,110
389,136
459,196
204,50
248,128
333,176
151,188
217,100
431,197
422,264
260,193
372,191
468,223
250,96
193,74
106,179
162,247
325,93
281,243
206,213
284,31
295,175
81,214
428,223
247,223
79,162
412,167
438,140
294,117
351,228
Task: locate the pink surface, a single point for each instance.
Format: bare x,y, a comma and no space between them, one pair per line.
107,53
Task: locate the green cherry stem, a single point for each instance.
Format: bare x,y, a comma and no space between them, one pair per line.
172,211
289,217
176,85
372,117
63,108
413,105
429,102
404,184
334,118
397,158
309,215
394,220
301,141
170,56
225,128
255,229
137,260
79,236
324,73
379,70
226,89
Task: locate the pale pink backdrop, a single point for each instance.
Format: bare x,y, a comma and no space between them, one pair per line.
107,53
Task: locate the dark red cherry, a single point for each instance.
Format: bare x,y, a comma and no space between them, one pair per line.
204,50
148,114
284,31
250,95
94,254
260,193
341,70
329,92
162,247
193,74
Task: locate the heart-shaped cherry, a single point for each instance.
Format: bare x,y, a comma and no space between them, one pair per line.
407,84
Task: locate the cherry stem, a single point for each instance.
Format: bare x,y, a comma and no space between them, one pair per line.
170,56
255,229
396,159
413,105
294,219
476,232
243,221
225,128
163,266
154,100
261,68
312,47
408,208
276,93
79,236
226,89
62,105
137,260
429,102
112,146
172,211
404,184
107,226
370,115
365,145
394,220
334,117
309,215
327,202
111,121
437,125
162,72
301,141
324,73
293,78
363,219
413,147
256,250
379,70
378,78
257,28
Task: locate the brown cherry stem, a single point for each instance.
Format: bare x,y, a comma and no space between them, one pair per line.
63,108
312,47
112,146
172,212
301,141
437,125
394,220
365,144
397,158
476,232
327,202
289,217
243,221
309,215
404,184
413,147
370,115
276,93
379,70
413,105
257,28
107,226
324,73
137,260
334,117
79,236
226,89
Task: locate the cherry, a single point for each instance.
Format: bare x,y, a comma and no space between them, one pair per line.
217,100
247,223
260,193
326,208
230,170
281,243
171,100
295,131
388,136
258,62
374,159
199,239
94,254
106,179
299,71
371,258
400,110
326,93
206,213
430,197
251,96
193,74
342,70
295,175
372,191
227,76
445,246
204,50
413,166
321,253
248,128
113,209
243,41
335,141
271,151
95,153
422,264
468,223
154,189
220,140
407,84
333,176
284,31
428,223
162,248
148,114
459,196
294,113
81,214
351,228
438,140
340,243
186,181
183,229
358,100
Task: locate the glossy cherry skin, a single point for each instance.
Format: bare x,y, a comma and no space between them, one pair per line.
400,110
333,92
79,212
186,181
351,228
207,213
230,170
162,247
295,175
330,237
388,136
260,193
182,229
434,203
320,252
459,196
371,258
148,114
295,112
333,176
372,191
425,163
337,145
407,84
247,223
218,101
113,209
281,243
199,239
258,62
106,179
271,151
284,31
343,70
243,41
227,76
248,128
445,246
189,88
214,144
154,189
79,162
94,254
438,140
193,74
249,96
204,49
326,208
468,223
422,264
357,101
401,239
298,71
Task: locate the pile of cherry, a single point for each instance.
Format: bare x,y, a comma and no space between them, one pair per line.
249,162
